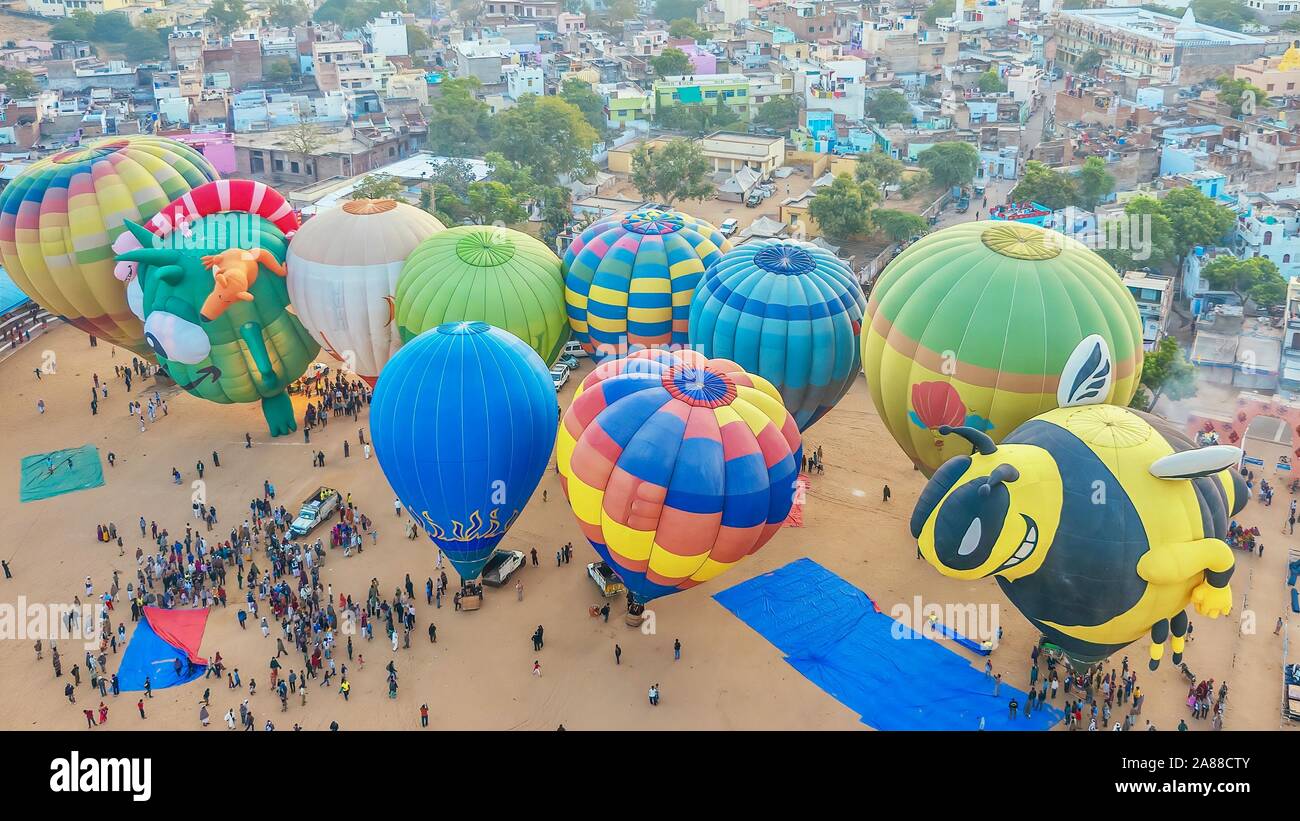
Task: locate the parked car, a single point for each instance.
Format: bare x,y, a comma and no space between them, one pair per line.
500,565
609,582
559,375
568,361
572,348
729,226
753,199
317,508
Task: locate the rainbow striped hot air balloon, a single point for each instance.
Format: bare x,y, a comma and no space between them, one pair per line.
59,219
629,279
989,324
487,274
788,311
676,467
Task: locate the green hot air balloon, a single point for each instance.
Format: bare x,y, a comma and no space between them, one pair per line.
988,324
487,274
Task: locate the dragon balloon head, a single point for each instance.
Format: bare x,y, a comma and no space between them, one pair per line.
215,308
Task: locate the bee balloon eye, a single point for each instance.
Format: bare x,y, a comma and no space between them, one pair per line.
176,339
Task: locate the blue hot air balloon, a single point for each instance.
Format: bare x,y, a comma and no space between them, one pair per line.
788,311
463,421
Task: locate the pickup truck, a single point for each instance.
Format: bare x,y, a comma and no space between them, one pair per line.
500,565
318,507
606,579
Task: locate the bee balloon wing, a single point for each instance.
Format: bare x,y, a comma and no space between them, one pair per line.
1088,374
1192,464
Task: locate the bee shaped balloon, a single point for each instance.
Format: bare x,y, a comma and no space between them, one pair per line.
1101,524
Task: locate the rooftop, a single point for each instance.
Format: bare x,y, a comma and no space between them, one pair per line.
1157,26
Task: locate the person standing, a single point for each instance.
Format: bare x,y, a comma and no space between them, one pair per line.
884,496
139,705
519,590
424,715
618,654
677,649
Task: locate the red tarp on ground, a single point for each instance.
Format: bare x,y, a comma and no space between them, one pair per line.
795,517
182,629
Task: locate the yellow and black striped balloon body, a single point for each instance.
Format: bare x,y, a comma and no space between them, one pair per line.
1064,538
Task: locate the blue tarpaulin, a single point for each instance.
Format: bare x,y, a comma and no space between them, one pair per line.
153,655
895,679
10,296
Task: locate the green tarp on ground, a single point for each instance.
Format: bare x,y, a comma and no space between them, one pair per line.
60,471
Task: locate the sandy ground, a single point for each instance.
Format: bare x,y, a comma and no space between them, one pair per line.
478,674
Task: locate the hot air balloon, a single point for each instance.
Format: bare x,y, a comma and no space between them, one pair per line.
788,311
463,420
677,466
488,274
215,312
629,279
998,312
343,269
219,197
59,218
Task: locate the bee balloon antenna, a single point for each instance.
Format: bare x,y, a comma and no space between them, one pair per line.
981,440
1001,473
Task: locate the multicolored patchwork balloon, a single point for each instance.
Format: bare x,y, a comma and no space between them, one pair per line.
629,279
677,466
59,218
788,311
464,419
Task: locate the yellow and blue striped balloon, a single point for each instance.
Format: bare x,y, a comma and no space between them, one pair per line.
788,311
628,280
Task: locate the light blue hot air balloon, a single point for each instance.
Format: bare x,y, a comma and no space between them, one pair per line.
463,420
788,311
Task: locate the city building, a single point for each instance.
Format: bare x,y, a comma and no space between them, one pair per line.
712,91
386,34
1271,229
1150,44
1155,299
521,80
624,103
65,8
1278,76
1289,378
732,152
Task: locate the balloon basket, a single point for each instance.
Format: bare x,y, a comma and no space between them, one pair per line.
634,619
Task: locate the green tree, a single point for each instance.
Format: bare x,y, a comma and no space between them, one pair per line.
1235,93
676,9
889,106
621,10
1256,278
950,163
227,15
1042,185
899,225
511,174
456,174
592,105
843,208
144,44
1195,219
79,26
491,202
1094,183
682,27
1166,371
700,119
671,62
378,187
990,82
915,184
556,204
939,8
1144,238
1089,61
1073,5
279,71
547,135
878,168
459,123
780,113
1225,14
288,13
675,171
111,27
417,39
19,84
1291,23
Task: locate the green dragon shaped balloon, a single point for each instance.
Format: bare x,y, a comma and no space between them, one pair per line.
216,312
